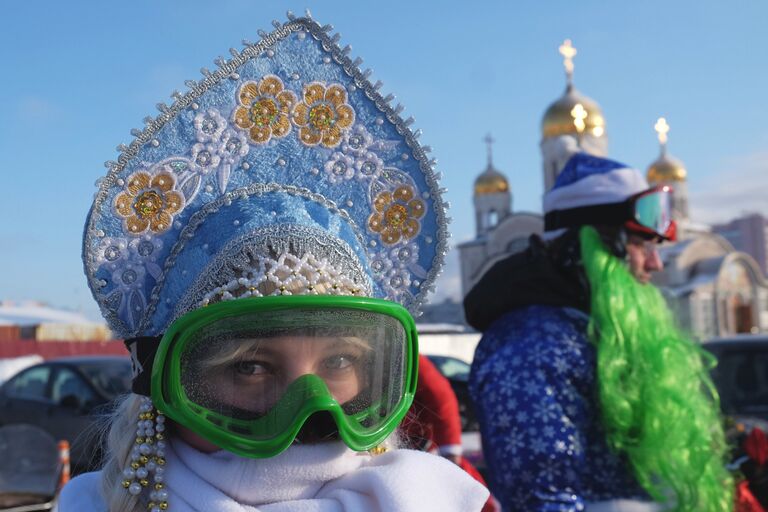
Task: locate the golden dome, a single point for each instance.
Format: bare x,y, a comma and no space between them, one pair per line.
491,181
559,121
666,169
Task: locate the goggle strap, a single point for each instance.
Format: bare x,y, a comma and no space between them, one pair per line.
595,215
142,351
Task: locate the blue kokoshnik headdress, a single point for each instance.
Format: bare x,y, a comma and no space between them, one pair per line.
283,165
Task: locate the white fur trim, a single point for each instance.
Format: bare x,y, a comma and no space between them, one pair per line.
610,187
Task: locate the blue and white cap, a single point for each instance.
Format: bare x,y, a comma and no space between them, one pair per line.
282,171
588,180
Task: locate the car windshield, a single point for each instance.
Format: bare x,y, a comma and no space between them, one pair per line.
451,367
742,380
111,378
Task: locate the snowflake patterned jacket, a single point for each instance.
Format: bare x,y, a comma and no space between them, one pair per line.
533,385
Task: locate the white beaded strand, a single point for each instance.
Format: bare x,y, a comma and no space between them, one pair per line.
148,458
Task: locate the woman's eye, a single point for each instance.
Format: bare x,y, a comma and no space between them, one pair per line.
251,368
339,362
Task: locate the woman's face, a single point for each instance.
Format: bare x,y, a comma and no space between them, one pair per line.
252,375
643,258
257,377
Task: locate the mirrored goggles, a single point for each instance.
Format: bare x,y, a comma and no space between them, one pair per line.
652,213
649,213
247,374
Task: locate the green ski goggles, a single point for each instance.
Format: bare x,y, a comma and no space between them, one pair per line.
246,374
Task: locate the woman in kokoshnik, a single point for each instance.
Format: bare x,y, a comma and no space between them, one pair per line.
260,246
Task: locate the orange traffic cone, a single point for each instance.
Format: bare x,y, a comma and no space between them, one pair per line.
64,462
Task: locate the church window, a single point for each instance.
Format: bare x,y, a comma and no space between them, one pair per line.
493,218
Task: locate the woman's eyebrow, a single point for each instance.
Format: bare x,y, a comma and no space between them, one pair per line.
261,349
344,343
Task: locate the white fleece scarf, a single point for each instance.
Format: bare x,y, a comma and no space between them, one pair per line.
318,478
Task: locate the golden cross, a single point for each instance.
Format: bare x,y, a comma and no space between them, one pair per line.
662,128
489,140
579,115
568,52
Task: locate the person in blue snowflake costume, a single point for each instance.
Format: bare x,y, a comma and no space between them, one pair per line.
588,396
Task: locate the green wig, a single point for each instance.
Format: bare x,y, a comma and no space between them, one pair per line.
658,404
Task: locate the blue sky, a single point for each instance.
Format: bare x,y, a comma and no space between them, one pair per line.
79,75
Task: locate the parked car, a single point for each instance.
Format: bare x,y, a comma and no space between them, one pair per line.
65,397
457,373
741,378
30,469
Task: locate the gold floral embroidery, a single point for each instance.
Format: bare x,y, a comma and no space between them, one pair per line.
265,109
396,215
324,115
149,202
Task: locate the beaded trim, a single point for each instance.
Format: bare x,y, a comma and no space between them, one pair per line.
278,254
283,274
